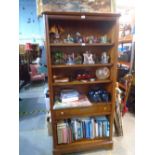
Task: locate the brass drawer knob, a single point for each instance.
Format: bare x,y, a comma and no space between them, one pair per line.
105,108
62,112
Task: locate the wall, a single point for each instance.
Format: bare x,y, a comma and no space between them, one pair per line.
31,27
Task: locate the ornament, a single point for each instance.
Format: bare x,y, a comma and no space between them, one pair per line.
104,58
88,58
102,73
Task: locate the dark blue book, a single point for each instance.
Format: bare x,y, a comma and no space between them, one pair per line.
87,123
91,130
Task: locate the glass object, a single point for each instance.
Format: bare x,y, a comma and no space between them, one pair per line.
102,73
104,58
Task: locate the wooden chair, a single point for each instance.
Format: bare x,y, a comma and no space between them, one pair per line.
126,88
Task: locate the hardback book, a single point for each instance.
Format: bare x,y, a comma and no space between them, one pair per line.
59,135
103,129
108,129
70,99
100,129
60,132
79,131
92,129
65,135
61,80
81,102
69,93
96,129
87,123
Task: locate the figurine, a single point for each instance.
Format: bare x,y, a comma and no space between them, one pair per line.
78,59
58,57
85,76
90,39
96,58
95,40
56,30
88,58
78,38
103,39
70,59
69,39
104,58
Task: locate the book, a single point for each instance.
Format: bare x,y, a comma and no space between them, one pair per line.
74,129
79,131
92,130
61,132
87,123
69,93
65,79
96,129
81,102
69,99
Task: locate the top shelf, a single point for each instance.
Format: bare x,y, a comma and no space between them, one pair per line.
82,13
80,44
82,16
125,41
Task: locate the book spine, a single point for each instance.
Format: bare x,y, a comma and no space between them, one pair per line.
103,129
87,129
92,129
81,127
59,135
79,130
100,128
75,129
96,127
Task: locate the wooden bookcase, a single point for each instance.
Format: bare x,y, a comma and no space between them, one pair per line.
86,24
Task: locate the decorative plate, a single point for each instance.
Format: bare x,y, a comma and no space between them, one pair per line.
102,73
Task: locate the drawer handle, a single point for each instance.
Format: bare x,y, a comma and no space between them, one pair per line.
62,113
105,108
83,17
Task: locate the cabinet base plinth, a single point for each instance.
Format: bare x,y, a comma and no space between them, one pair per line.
82,148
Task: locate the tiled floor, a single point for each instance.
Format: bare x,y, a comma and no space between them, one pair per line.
33,131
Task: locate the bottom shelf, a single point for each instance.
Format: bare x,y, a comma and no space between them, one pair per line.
84,145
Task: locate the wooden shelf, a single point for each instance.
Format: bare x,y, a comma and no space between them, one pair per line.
124,63
81,83
96,109
86,141
85,145
80,44
125,41
82,65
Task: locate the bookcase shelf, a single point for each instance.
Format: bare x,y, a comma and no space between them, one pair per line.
85,145
82,65
80,44
88,24
86,141
81,83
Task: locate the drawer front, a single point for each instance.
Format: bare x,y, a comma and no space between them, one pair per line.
95,110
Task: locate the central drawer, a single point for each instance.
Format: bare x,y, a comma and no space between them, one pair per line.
93,110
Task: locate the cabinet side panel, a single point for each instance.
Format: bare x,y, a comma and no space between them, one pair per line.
48,57
114,55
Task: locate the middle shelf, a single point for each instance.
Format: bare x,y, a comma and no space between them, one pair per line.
80,44
82,65
81,83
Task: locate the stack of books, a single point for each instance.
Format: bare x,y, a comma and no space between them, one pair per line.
75,129
83,101
70,98
68,95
